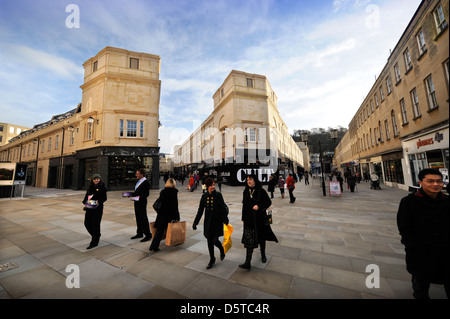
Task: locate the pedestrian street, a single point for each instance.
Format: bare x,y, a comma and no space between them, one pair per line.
325,246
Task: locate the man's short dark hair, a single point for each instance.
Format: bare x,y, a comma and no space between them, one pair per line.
141,171
429,171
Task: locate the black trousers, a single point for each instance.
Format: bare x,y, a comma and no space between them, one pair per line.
157,237
92,220
143,226
291,195
214,242
422,286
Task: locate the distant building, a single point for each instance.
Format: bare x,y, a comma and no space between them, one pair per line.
244,132
8,131
403,124
112,132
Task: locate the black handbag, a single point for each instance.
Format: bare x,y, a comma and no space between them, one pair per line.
157,205
269,217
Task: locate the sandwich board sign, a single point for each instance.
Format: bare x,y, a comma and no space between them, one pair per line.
335,188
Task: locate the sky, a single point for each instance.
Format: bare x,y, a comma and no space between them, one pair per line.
320,57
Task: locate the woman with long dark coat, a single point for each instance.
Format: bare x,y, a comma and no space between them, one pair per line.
93,217
167,213
257,230
216,214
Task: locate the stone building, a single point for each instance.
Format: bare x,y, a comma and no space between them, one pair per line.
244,131
113,131
8,131
402,125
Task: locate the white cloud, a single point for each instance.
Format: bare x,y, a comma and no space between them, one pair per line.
33,59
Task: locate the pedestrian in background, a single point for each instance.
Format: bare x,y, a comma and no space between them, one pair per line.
281,183
351,182
167,213
306,178
257,230
290,182
139,196
216,214
424,225
93,217
271,187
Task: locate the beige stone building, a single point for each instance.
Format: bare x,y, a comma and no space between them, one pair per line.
244,131
113,131
8,131
408,106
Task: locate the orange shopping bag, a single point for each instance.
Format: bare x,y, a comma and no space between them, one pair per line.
227,231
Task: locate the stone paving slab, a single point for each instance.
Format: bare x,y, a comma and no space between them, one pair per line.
325,245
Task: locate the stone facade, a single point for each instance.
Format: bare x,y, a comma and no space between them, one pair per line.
244,127
112,132
409,99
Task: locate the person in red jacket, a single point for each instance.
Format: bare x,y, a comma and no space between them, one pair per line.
291,186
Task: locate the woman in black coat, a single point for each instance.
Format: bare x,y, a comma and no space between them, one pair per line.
271,187
257,230
216,214
167,213
93,217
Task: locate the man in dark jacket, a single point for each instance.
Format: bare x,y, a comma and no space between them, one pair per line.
424,225
140,195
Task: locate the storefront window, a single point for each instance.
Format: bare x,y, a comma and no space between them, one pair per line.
393,171
122,170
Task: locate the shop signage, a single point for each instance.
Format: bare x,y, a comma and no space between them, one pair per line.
438,137
426,142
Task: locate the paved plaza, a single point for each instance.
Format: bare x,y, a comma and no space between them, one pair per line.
325,245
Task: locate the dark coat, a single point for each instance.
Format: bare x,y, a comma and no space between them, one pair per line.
169,208
272,183
216,214
351,180
424,226
256,227
99,193
143,191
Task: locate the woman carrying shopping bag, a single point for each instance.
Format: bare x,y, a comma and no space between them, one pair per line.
216,214
257,229
167,212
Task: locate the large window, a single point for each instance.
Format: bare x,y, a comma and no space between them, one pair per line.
394,124
439,18
389,84
398,76
421,42
403,111
408,63
432,101
131,128
249,82
393,171
388,132
380,129
415,103
381,93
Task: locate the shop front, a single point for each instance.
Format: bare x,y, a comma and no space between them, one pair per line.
427,151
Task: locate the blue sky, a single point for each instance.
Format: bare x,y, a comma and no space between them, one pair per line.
321,57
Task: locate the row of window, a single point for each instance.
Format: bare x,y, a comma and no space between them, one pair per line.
379,96
134,64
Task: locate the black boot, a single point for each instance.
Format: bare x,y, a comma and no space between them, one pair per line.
212,261
248,259
263,251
